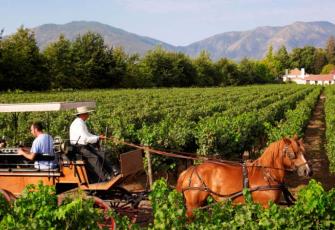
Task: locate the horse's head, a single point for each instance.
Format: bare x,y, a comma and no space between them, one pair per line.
293,156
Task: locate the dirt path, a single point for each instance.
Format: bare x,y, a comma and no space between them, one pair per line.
314,140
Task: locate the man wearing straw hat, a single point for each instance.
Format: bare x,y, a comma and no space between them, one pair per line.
86,142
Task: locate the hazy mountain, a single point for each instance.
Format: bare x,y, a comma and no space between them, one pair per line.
236,45
255,43
132,43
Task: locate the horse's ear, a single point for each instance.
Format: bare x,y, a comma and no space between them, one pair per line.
286,140
296,137
301,141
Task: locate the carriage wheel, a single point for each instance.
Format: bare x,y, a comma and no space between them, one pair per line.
109,222
8,195
121,198
127,203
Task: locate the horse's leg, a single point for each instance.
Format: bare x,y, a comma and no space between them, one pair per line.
263,197
194,199
190,208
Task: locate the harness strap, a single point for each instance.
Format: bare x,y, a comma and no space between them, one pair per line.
287,195
204,186
280,186
289,198
245,176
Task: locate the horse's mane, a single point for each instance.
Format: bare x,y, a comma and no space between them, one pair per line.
274,151
267,158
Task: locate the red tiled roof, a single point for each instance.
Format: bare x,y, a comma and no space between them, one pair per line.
294,72
321,77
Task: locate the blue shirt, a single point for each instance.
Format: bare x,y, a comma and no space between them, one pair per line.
43,144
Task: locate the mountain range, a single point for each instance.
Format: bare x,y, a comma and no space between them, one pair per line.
234,45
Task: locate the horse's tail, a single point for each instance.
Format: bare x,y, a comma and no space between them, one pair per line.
180,180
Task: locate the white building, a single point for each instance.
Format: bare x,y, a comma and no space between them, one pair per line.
300,77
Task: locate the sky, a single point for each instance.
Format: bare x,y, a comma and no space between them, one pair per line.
177,22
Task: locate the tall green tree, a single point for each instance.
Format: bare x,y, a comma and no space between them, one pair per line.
228,72
303,58
159,67
61,64
206,71
22,64
330,50
134,76
283,59
187,71
117,66
252,72
320,60
245,69
271,62
167,69
92,61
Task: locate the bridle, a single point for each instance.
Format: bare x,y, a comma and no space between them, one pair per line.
285,153
291,156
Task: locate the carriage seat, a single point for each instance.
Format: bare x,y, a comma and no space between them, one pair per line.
65,150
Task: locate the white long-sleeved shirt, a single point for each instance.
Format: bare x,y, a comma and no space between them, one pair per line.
79,133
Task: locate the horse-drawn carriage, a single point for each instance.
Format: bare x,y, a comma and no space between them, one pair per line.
71,174
220,179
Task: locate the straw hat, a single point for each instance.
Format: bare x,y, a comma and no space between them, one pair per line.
83,110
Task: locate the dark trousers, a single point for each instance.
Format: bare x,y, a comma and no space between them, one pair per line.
98,167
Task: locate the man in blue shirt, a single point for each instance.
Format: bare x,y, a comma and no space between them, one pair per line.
42,145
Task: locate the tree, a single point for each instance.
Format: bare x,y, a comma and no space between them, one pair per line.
117,67
327,69
22,65
1,33
60,64
271,62
252,72
92,60
159,69
228,72
283,59
330,50
320,60
187,71
206,72
303,58
133,77
167,69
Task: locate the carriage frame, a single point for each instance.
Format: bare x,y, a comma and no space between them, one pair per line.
71,174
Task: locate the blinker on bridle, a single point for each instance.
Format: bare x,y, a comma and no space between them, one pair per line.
292,156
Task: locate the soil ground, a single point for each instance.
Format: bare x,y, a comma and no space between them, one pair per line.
314,140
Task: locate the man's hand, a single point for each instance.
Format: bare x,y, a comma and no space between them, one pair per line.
26,153
102,137
21,151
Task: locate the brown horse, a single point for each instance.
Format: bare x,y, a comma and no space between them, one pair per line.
264,177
